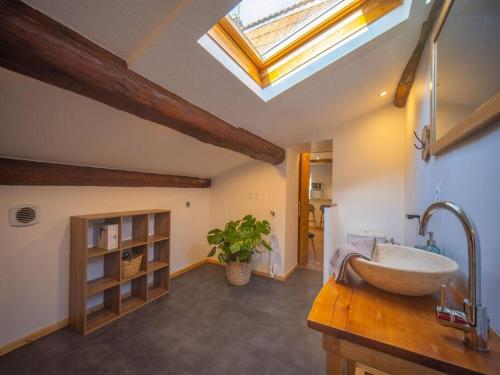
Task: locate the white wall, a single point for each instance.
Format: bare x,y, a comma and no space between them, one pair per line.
258,188
331,240
292,209
468,175
368,175
34,266
255,188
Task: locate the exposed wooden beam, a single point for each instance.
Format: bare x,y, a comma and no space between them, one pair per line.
408,76
26,172
36,45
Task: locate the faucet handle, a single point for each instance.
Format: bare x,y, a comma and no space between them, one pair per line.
443,296
450,317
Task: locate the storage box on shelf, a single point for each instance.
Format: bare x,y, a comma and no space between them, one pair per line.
99,293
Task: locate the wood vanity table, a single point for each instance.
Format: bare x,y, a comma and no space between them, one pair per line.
395,334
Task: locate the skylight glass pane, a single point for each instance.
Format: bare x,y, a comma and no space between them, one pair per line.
271,25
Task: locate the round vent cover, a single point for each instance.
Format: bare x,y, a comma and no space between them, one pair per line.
24,215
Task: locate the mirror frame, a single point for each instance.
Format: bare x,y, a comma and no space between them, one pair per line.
486,114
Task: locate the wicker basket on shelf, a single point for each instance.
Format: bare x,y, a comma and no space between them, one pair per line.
131,267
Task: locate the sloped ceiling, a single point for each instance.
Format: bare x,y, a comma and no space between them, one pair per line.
158,38
43,122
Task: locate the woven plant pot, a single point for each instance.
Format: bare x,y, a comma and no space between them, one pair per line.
238,273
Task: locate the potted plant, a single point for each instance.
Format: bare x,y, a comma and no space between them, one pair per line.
237,243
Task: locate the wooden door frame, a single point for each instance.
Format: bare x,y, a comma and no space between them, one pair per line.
302,253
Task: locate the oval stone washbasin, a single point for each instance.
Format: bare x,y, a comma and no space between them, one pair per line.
405,270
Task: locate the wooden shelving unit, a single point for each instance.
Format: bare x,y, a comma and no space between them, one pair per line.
98,292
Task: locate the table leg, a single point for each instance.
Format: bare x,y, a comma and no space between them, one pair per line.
350,366
335,364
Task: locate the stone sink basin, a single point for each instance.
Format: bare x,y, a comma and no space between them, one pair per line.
405,270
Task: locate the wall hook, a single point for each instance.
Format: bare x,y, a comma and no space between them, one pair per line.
422,144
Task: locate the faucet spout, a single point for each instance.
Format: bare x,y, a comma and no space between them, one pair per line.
472,243
474,313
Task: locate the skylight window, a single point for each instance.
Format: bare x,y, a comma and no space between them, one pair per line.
265,41
272,25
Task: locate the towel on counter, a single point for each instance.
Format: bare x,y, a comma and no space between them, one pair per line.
362,248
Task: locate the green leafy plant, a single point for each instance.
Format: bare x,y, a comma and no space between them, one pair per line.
239,240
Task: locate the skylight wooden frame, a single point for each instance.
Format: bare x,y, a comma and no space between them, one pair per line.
303,49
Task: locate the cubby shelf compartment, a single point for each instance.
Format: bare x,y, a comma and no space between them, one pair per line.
154,293
158,255
131,303
138,224
141,273
139,230
157,237
128,244
160,283
95,252
136,296
99,318
100,284
105,311
156,265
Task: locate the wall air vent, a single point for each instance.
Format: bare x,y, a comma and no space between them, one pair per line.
24,215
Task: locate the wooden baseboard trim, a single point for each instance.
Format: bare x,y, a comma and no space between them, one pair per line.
188,268
262,274
287,276
212,261
33,337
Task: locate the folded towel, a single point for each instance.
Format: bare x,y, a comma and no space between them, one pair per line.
362,248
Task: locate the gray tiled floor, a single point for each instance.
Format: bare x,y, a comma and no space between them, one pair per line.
204,327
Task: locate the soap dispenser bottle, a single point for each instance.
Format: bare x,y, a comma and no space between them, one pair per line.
431,244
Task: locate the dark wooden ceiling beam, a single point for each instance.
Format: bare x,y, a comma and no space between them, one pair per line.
26,172
36,45
406,81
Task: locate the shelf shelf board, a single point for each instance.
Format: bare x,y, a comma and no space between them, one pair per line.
127,244
141,273
131,303
156,265
157,238
111,215
98,319
100,284
156,292
95,251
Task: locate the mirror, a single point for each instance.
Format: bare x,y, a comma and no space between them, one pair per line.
465,70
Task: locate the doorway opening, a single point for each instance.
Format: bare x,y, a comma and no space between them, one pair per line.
315,194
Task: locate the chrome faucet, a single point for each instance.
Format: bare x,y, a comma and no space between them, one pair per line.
473,319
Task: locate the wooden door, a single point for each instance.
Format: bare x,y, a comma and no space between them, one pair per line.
304,171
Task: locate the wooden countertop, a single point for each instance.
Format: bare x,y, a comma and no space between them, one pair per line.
401,326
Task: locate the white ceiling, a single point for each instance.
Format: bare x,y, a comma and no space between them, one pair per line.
159,40
43,122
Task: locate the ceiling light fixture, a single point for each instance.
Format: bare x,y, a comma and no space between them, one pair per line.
383,93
